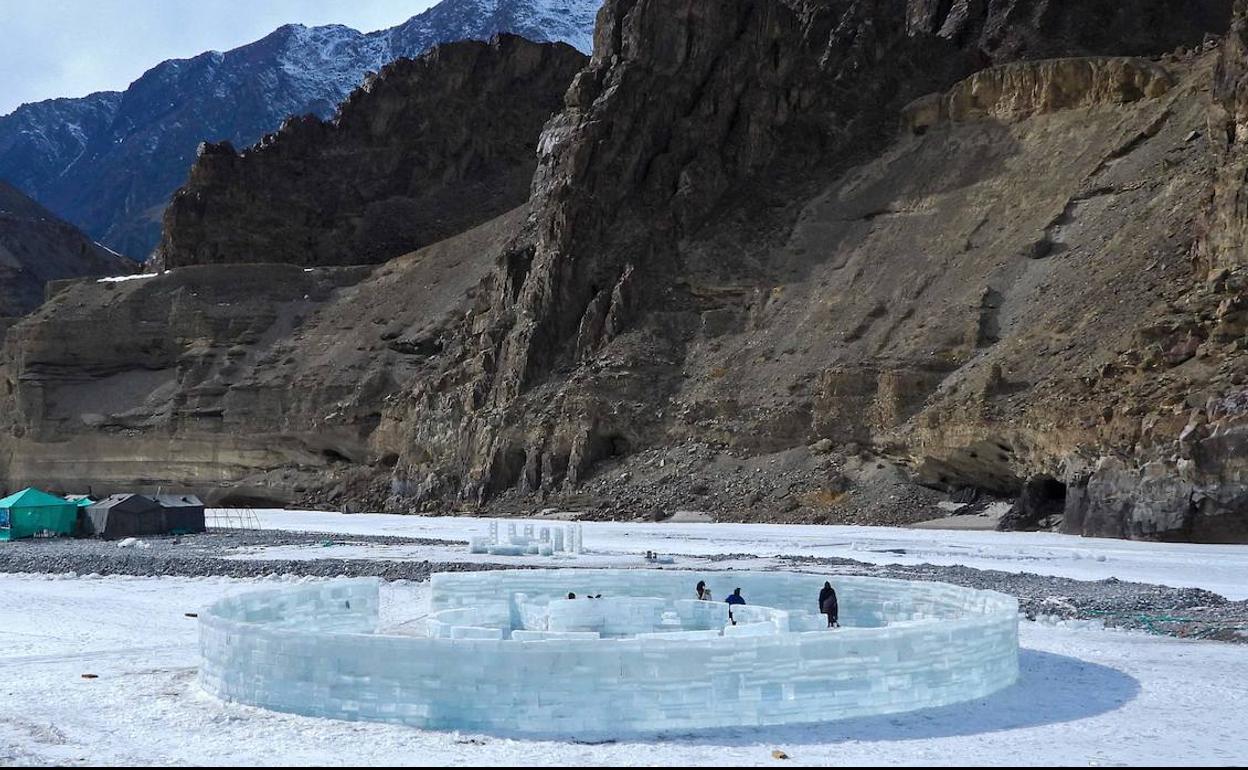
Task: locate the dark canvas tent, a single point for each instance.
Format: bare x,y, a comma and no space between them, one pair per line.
124,516
31,512
183,513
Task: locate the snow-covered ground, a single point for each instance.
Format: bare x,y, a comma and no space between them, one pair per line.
1086,697
1222,569
450,553
120,278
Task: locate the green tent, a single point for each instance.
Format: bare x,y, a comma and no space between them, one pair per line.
29,512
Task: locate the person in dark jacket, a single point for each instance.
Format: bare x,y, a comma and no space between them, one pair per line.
828,605
733,600
702,592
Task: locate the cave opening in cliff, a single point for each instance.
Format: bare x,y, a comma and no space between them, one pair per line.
508,468
333,456
1051,491
616,446
518,265
1043,497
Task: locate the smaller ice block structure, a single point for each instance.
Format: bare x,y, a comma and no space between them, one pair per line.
543,540
507,652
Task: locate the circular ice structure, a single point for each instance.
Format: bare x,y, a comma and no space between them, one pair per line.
506,651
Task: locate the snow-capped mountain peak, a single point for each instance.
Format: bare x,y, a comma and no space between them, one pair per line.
109,162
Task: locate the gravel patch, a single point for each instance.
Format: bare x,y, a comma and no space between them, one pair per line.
1183,612
202,555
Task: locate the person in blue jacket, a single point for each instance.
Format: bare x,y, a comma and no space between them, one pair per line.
734,599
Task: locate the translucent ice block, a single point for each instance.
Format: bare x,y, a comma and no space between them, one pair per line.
490,662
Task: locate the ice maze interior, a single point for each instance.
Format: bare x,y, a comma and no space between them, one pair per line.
505,651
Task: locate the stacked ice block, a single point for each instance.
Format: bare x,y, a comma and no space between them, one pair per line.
529,539
311,650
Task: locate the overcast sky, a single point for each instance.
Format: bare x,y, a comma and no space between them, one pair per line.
51,48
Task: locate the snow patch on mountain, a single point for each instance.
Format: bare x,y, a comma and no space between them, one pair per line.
569,21
109,162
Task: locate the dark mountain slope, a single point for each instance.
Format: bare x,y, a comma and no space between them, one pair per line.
36,247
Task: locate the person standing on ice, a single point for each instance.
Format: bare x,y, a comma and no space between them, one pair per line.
733,600
704,593
828,605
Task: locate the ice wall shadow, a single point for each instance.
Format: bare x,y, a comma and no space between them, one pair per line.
1051,689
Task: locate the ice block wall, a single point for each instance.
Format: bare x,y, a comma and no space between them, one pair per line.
309,650
863,601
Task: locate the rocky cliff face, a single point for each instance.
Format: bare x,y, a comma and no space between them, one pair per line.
109,162
1181,471
704,282
1010,30
685,113
775,252
247,383
36,247
389,174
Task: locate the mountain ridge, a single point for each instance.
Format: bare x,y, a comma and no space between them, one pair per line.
112,176
36,247
819,261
